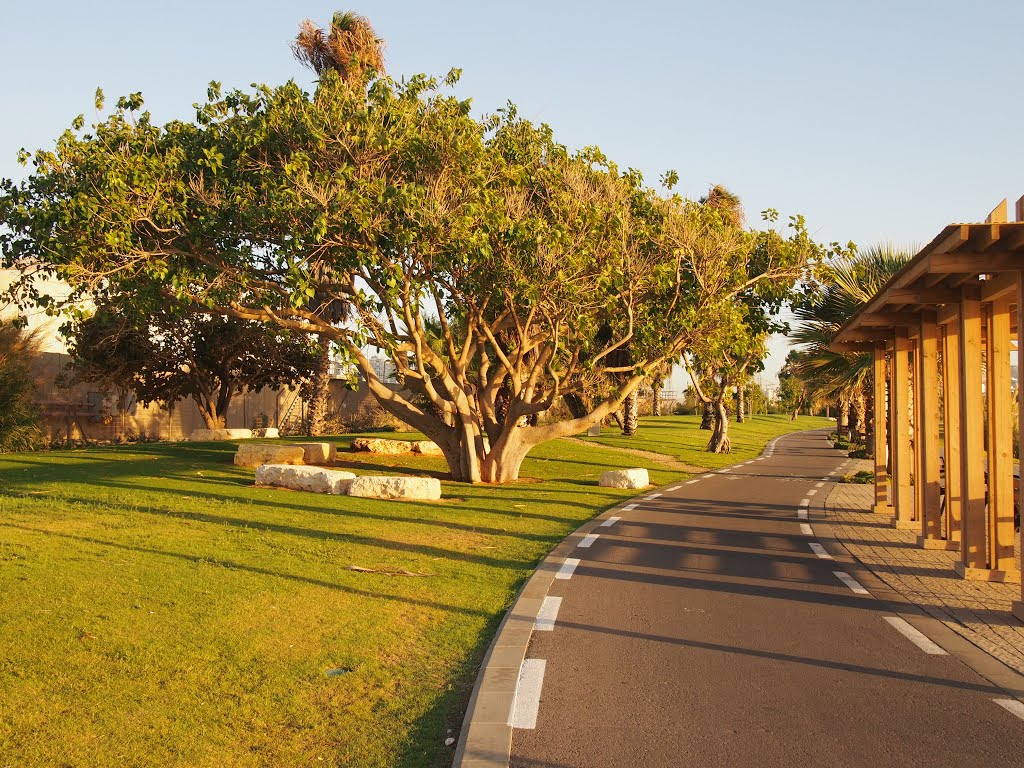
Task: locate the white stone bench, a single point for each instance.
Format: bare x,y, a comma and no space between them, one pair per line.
427,448
317,453
205,435
424,488
304,478
380,445
625,478
255,454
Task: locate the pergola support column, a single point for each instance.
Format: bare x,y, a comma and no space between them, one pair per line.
951,430
881,440
973,551
1018,605
927,439
999,521
902,456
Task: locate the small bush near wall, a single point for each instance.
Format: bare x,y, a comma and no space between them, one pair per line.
20,428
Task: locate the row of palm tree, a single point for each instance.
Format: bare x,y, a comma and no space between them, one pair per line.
827,377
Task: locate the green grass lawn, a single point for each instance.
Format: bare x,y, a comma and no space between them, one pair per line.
681,438
158,609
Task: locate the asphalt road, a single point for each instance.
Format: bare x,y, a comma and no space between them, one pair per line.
701,630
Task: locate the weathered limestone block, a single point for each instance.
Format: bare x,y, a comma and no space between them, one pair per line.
239,434
427,448
255,454
378,445
204,435
266,432
428,488
303,478
317,453
625,478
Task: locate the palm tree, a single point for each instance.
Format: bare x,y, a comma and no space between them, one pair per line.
846,286
351,48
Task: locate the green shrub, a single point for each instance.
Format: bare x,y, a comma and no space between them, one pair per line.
20,428
863,477
860,452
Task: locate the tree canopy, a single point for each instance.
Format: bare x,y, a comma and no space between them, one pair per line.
498,269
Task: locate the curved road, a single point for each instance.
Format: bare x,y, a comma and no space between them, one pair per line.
702,629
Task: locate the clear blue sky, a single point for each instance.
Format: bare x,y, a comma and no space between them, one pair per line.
877,121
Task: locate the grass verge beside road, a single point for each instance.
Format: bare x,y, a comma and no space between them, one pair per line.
681,438
158,609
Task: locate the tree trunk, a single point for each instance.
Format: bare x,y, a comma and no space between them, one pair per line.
858,422
843,419
656,387
719,442
707,420
316,419
741,405
630,415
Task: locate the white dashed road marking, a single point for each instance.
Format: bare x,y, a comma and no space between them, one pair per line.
588,541
805,502
691,482
610,522
819,484
652,496
547,614
1011,705
851,582
819,550
675,488
566,571
527,700
802,514
914,635
629,507
811,492
806,529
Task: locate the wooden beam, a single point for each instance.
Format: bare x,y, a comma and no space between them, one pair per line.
880,437
921,296
951,428
949,315
958,235
972,436
1000,440
851,346
868,335
999,286
998,214
970,262
928,442
890,319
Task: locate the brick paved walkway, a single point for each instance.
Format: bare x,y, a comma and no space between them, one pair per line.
979,611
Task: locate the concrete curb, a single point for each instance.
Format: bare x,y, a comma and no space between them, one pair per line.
485,740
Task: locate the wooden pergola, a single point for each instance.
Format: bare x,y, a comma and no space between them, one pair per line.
942,334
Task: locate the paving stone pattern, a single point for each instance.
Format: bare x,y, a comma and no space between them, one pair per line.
979,611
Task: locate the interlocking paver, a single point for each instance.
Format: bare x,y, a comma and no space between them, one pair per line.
979,611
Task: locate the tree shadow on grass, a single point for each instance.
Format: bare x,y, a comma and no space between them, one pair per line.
276,504
346,538
233,565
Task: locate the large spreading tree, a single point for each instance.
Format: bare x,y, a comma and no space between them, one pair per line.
166,357
501,272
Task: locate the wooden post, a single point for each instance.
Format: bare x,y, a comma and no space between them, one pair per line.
973,559
881,442
1000,443
1018,605
902,457
951,428
928,443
